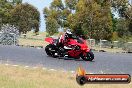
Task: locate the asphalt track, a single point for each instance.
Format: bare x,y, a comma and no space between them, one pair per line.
104,62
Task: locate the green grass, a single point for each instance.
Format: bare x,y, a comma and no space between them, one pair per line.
19,77
7,82
33,40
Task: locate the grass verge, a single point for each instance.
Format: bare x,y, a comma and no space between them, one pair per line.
19,77
32,42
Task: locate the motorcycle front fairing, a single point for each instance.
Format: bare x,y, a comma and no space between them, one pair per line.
84,46
80,42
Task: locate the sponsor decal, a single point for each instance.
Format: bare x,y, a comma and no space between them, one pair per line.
83,78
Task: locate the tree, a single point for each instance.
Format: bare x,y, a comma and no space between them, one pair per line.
130,27
92,19
5,10
14,2
51,26
114,21
120,6
124,9
5,15
71,4
51,17
56,13
26,17
122,28
70,10
129,12
57,5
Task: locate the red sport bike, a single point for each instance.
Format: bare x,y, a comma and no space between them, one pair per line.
75,47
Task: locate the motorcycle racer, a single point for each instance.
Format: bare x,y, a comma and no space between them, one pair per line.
68,34
64,39
69,46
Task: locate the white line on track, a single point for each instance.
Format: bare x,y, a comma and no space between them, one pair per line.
52,70
35,67
26,66
44,68
7,64
73,72
15,65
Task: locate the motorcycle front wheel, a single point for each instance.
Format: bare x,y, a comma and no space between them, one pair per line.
51,50
89,56
47,50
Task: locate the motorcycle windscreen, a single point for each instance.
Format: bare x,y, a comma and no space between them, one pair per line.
49,39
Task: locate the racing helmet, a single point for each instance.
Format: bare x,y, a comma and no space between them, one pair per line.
68,33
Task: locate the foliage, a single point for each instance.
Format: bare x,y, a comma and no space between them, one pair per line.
51,26
5,16
92,20
124,9
122,28
120,6
71,4
83,17
55,14
26,17
114,36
